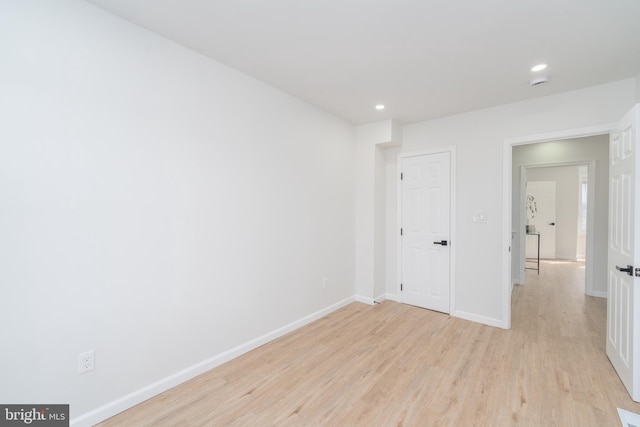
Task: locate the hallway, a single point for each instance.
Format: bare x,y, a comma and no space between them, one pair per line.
563,332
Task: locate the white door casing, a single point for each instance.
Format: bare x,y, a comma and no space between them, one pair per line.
425,222
623,305
544,203
507,177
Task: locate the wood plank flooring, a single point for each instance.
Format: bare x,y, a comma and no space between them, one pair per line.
398,365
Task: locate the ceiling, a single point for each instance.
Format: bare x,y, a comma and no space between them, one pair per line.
422,59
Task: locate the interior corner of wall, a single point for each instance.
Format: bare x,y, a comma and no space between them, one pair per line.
396,134
383,133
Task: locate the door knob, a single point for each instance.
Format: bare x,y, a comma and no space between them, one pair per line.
628,270
441,242
552,223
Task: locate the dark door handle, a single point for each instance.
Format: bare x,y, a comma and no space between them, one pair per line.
441,242
628,270
552,223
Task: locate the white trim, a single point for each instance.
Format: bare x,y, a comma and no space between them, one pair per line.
391,297
590,240
365,300
453,238
507,161
380,298
452,223
599,294
477,318
507,178
398,227
522,244
560,135
130,400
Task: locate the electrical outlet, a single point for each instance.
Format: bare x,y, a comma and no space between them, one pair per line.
324,282
86,362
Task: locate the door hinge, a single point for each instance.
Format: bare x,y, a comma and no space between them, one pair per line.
401,231
401,286
637,272
401,176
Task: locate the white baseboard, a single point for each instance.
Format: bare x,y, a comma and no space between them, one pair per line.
599,294
130,400
391,297
378,299
478,319
517,280
365,300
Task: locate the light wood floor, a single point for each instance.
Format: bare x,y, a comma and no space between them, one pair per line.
398,365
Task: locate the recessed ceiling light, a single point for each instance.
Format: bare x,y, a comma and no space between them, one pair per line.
379,107
539,67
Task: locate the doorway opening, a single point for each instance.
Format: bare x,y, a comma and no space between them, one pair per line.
561,200
557,205
553,149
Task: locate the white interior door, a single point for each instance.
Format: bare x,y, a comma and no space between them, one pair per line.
541,213
426,210
623,305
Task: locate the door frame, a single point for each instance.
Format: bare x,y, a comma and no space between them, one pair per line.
452,224
507,164
591,192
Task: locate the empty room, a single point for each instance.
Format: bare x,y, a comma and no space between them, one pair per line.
319,213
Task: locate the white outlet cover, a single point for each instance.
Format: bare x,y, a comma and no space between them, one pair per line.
86,362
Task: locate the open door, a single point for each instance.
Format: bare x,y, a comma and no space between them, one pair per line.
623,305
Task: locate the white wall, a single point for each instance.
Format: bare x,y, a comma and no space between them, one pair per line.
155,206
480,138
593,148
367,136
566,217
392,177
380,233
581,244
372,139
